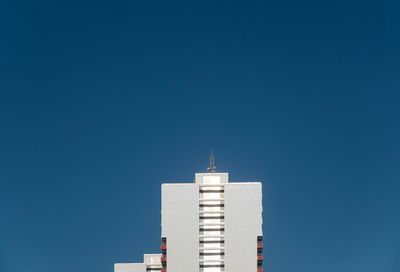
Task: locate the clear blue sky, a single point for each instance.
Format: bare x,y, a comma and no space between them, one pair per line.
101,102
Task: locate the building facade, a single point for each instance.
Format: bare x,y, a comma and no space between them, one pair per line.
210,225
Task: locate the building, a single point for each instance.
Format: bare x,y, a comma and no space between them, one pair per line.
211,225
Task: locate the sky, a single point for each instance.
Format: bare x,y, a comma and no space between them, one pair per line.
102,101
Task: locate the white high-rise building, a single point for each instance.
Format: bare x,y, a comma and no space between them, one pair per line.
211,225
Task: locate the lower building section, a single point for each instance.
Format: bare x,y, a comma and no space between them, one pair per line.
151,262
129,267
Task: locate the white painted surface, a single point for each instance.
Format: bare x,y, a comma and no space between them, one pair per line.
243,223
130,267
180,225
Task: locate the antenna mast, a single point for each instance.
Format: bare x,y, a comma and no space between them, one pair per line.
211,169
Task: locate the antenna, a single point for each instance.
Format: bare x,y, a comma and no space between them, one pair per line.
212,167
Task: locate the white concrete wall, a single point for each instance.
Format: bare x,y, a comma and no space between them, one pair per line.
243,223
129,267
180,225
